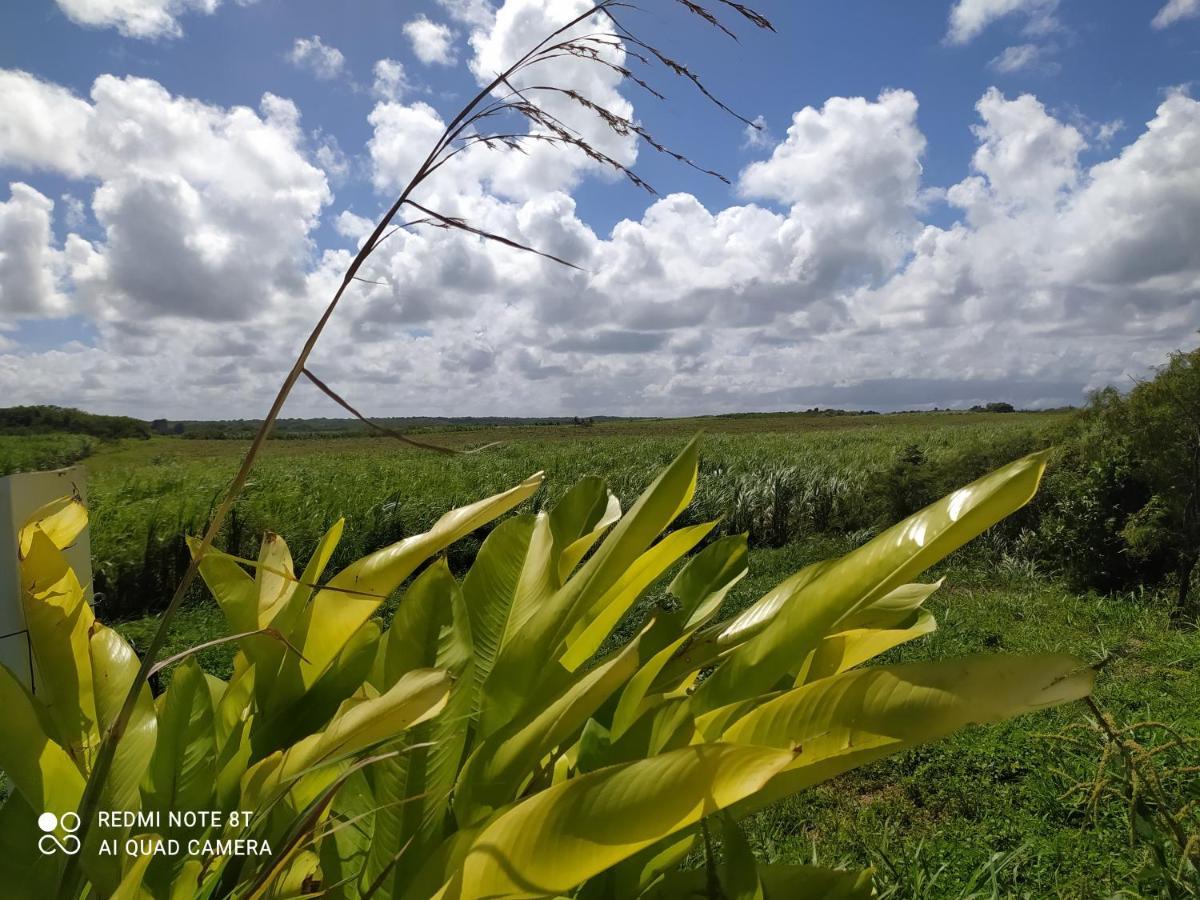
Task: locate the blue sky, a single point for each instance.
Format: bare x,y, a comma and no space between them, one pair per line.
943,224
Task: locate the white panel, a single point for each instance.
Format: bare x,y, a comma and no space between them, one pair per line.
20,496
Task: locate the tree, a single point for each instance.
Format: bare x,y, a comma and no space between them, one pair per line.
1122,504
1162,421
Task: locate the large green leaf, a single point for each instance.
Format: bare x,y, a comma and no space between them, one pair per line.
857,717
46,776
499,766
61,520
510,576
284,723
60,622
411,792
596,624
28,875
182,771
707,579
578,520
521,664
114,667
270,655
865,575
360,723
853,647
548,844
721,638
352,596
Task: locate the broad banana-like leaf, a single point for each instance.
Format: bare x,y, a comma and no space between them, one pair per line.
865,575
43,772
849,720
234,589
28,875
131,886
499,765
578,520
848,649
594,627
285,723
707,579
666,725
739,871
511,575
182,771
60,622
700,587
190,881
548,844
736,878
411,792
114,667
719,639
517,572
893,609
61,520
521,664
235,703
271,654
634,697
358,725
352,596
347,838
274,578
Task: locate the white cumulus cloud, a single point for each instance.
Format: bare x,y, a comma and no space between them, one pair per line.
1175,11
137,18
205,211
30,266
391,81
316,56
969,18
432,42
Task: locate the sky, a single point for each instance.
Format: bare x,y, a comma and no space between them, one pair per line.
946,202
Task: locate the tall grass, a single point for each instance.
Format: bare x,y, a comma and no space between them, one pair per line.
37,452
778,487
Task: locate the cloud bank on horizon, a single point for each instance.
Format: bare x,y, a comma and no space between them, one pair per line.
163,253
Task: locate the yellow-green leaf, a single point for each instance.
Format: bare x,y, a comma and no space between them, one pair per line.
352,596
851,719
863,576
550,843
114,667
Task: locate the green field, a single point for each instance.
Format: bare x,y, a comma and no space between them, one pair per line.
31,452
777,477
979,815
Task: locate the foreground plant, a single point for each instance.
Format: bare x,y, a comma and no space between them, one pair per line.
1148,771
523,96
492,742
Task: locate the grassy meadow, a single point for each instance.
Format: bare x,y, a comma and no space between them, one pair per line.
987,813
31,452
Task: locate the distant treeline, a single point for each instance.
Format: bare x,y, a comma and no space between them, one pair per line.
48,419
57,419
243,429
